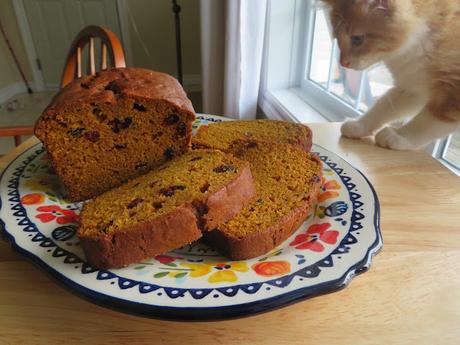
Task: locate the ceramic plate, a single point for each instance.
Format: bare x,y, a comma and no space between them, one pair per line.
336,242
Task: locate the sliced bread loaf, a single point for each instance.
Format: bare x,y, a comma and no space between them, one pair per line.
222,134
102,130
164,209
287,181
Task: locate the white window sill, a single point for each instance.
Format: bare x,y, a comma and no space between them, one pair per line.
288,106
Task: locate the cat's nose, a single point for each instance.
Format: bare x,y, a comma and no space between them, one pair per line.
344,62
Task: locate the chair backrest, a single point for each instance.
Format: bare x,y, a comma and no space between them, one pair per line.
16,132
111,50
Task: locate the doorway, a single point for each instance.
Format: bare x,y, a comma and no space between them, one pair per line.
53,24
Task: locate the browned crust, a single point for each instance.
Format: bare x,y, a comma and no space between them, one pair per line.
263,241
142,240
181,226
137,83
226,203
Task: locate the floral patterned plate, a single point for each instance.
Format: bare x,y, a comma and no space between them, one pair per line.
336,242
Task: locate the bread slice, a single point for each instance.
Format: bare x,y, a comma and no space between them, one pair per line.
131,115
287,181
164,209
222,134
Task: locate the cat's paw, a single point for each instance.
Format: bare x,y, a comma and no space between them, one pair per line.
355,130
390,138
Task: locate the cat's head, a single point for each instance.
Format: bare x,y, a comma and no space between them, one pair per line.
369,31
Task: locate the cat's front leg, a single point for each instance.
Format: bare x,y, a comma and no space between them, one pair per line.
395,104
420,131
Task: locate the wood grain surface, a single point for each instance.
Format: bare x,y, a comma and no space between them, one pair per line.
411,295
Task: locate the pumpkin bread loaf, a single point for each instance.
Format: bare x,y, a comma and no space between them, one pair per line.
165,208
105,129
222,134
287,181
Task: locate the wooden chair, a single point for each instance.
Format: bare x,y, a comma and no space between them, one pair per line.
111,55
16,132
111,50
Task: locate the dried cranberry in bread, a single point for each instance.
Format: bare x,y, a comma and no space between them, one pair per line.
104,129
165,208
287,181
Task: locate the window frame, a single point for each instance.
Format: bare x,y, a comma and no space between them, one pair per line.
279,97
440,151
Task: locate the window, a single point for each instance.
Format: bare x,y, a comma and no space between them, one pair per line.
448,152
304,79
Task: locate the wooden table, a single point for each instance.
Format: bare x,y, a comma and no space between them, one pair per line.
411,295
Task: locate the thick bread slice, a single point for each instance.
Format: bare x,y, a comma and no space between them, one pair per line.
164,209
222,134
287,181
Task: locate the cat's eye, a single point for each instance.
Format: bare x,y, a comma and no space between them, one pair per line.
357,40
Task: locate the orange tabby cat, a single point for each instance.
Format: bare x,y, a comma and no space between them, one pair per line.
419,41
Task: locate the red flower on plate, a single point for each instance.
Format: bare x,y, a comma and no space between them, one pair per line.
165,259
316,234
53,212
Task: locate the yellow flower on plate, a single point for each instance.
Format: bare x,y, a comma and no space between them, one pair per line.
197,270
223,276
226,271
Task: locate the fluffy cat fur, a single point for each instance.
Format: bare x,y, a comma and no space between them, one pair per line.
419,41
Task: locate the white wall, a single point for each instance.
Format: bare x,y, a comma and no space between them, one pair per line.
153,35
8,72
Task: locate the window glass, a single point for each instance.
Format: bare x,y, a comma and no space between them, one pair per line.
452,154
321,49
